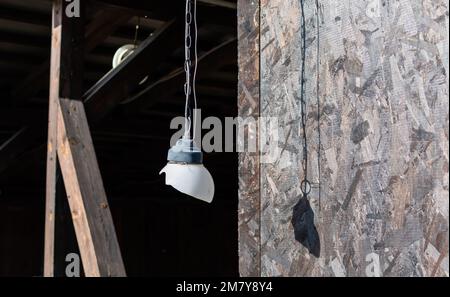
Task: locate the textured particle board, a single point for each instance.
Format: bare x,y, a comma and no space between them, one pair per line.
383,94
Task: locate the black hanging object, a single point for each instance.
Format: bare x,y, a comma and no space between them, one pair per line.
304,229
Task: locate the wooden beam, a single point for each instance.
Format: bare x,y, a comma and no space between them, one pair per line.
52,167
116,85
70,143
220,3
62,80
91,215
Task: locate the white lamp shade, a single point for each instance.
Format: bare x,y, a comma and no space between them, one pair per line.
122,53
191,179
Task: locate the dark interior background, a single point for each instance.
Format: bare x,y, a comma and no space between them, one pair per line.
161,232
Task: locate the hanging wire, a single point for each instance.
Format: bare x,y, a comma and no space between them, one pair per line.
319,142
138,25
195,67
305,185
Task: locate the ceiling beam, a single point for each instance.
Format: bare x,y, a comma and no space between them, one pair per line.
116,85
211,61
220,3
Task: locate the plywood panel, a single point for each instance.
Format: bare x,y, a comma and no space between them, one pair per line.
380,70
249,106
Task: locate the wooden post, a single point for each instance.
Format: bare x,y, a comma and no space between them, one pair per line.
52,162
70,143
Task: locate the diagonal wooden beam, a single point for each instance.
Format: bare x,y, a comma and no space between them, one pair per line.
116,85
104,23
91,215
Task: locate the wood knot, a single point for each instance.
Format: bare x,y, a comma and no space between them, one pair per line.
104,205
75,214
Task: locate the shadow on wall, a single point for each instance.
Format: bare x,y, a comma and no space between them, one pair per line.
304,229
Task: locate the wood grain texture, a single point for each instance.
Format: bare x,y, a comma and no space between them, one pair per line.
94,227
52,166
248,106
70,147
383,93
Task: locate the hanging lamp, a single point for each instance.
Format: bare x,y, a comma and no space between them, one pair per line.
185,171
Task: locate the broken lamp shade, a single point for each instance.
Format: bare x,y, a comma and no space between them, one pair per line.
186,173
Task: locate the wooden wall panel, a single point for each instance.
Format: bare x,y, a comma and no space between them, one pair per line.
382,72
248,105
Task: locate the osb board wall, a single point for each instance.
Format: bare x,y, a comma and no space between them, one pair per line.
377,86
249,168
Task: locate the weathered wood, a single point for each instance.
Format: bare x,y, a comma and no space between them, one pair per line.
94,228
380,71
66,69
100,252
249,167
52,161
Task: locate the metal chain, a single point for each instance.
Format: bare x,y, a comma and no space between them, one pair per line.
188,64
305,185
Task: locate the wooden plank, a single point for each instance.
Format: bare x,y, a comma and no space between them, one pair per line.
52,162
117,84
92,218
60,80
